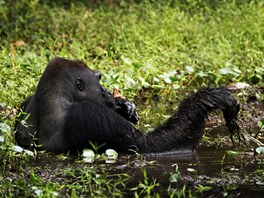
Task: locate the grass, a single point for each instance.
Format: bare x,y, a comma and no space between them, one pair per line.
146,48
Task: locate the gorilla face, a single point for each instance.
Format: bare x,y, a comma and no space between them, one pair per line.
75,81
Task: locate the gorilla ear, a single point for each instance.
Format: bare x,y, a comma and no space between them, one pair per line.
98,74
80,84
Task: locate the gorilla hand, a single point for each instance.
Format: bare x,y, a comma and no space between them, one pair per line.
126,109
120,105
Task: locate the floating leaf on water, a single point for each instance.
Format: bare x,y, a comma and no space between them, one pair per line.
192,170
111,154
260,150
261,183
88,153
234,169
110,161
88,156
17,149
88,159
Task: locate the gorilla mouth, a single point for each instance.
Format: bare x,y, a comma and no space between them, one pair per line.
108,98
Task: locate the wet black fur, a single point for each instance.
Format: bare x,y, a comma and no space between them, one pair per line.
63,118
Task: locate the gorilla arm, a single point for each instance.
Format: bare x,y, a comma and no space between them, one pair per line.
89,121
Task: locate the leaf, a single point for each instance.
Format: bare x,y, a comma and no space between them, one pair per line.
17,149
238,85
189,69
232,153
88,159
5,128
30,153
3,105
175,177
192,170
11,84
127,60
111,153
167,80
225,71
129,81
88,156
201,74
155,79
212,75
2,139
260,150
237,70
88,153
261,124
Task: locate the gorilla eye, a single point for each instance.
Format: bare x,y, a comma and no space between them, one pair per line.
80,84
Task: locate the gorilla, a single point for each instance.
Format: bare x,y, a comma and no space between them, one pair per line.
70,109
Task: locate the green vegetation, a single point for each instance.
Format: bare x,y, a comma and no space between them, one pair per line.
146,48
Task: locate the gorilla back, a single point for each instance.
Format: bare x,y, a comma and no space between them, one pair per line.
70,108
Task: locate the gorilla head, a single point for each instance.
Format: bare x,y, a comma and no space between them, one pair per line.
67,81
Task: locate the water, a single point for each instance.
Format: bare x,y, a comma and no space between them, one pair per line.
237,175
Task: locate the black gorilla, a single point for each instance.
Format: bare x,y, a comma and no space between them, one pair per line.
70,108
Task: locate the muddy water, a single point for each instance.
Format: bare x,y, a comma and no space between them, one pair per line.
239,175
208,167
